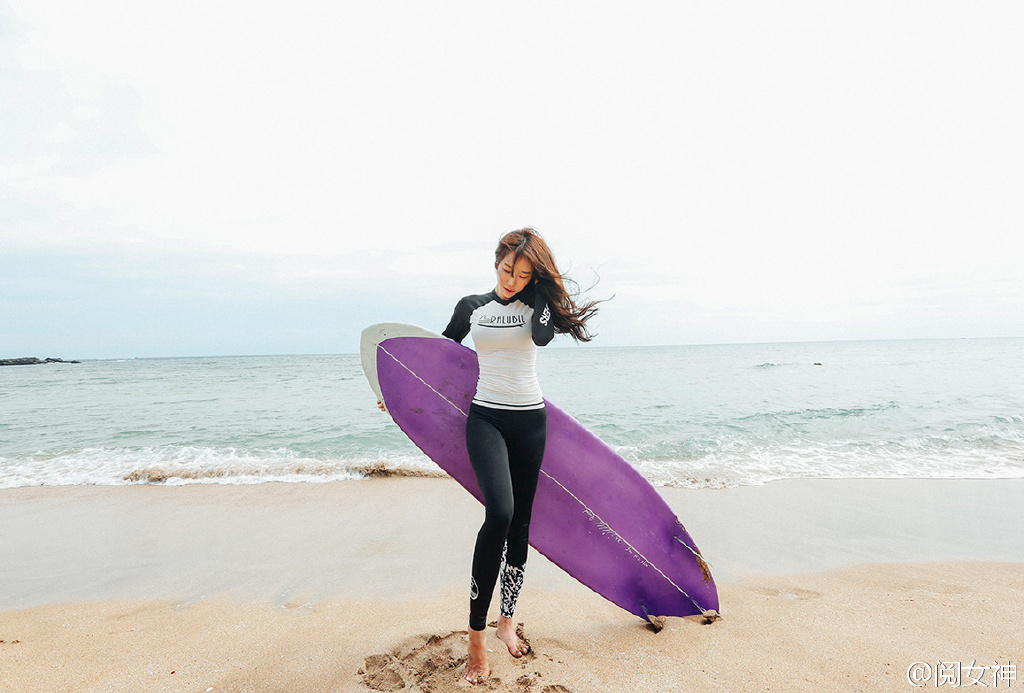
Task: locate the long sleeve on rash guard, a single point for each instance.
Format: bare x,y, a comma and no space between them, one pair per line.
543,325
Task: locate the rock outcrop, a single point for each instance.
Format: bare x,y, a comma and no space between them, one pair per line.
31,361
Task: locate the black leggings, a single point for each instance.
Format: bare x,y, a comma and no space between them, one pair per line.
506,448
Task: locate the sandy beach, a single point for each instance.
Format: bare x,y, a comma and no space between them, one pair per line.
359,586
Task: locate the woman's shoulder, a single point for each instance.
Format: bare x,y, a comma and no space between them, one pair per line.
458,326
474,301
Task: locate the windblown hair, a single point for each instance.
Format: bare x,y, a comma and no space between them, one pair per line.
569,314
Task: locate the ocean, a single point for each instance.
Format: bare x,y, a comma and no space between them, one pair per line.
691,416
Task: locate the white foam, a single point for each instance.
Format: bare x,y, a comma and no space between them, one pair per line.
771,463
719,465
174,465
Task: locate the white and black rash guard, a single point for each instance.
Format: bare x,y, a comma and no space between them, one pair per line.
506,335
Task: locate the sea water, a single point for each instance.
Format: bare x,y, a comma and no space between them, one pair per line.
695,416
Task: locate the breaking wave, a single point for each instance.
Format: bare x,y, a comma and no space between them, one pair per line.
189,465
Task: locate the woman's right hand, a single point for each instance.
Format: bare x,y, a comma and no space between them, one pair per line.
380,404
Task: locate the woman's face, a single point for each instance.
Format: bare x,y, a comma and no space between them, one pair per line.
512,278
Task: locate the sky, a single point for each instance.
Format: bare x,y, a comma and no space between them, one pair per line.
223,178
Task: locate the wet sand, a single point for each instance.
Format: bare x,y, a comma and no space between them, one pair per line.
357,586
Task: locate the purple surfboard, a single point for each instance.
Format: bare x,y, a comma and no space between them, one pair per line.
594,516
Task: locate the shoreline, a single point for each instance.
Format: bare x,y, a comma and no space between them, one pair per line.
825,585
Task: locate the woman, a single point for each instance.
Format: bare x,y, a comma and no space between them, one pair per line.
507,424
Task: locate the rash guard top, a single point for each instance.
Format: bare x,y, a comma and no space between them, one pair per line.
506,335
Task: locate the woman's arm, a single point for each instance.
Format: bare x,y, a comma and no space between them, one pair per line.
543,320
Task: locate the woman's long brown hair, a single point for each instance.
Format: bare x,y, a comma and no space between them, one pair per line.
569,314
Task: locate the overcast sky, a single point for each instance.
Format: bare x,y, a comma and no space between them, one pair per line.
204,178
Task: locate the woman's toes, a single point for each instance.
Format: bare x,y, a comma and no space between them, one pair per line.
476,676
516,647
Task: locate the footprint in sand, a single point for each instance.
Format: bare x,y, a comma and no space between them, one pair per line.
424,661
429,663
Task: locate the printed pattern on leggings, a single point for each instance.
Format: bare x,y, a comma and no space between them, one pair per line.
511,583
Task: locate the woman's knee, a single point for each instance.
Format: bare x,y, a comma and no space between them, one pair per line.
498,515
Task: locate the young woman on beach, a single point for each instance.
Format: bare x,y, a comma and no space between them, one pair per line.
507,425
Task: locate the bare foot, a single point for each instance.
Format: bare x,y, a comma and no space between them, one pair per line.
517,645
477,670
